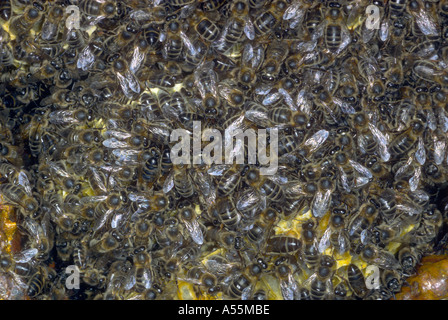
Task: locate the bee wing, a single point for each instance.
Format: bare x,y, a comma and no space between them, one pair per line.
415,179
204,183
129,281
126,156
137,59
345,107
321,203
147,278
403,169
294,14
344,180
118,134
386,260
114,143
361,169
316,140
382,142
365,236
85,59
426,23
246,293
324,242
248,199
293,189
218,169
346,39
25,255
289,288
439,150
188,44
271,98
420,153
195,231
288,99
303,102
168,185
25,182
258,116
249,29
99,223
383,32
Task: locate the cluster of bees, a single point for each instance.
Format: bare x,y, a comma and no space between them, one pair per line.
86,118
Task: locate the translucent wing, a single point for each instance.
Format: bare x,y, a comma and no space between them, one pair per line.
249,29
382,141
25,182
324,242
25,255
137,59
420,154
361,169
316,140
426,23
321,203
168,185
415,179
85,59
194,229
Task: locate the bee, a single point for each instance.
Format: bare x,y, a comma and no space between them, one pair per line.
283,245
238,25
224,210
38,282
41,234
356,281
195,54
5,10
270,18
143,272
251,61
288,285
404,142
269,187
239,286
21,24
21,195
335,235
206,80
151,168
127,80
203,278
232,95
97,7
381,258
391,280
189,218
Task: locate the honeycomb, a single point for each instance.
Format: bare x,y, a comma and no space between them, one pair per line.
100,201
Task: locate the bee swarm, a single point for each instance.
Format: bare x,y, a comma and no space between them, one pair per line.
91,91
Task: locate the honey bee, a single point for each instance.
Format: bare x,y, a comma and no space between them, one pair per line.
239,286
180,179
406,140
356,281
251,60
189,218
97,7
143,272
206,81
238,25
224,210
21,24
5,10
283,245
270,187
